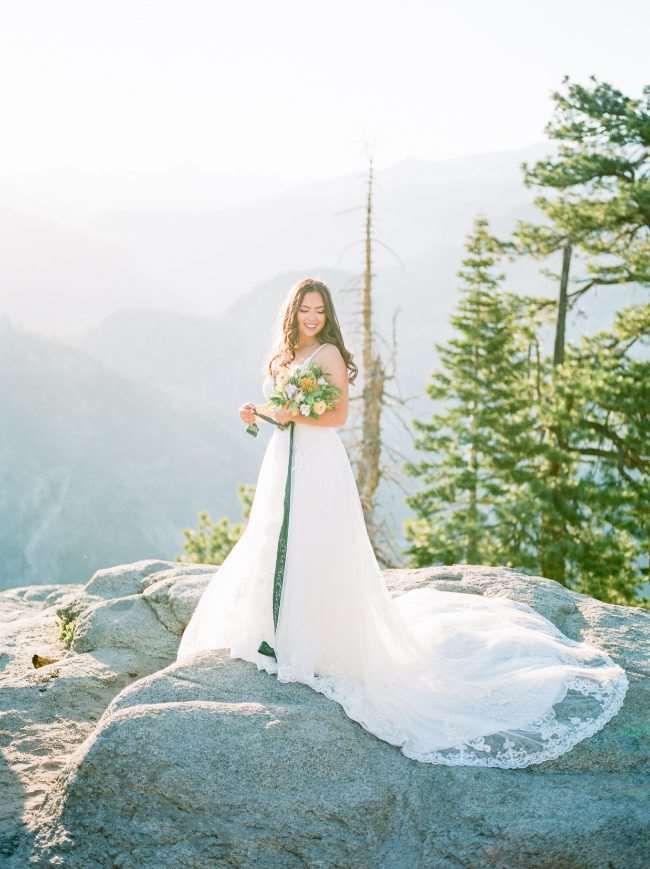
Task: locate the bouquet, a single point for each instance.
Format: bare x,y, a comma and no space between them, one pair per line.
304,391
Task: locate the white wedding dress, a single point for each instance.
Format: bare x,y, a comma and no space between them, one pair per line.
451,678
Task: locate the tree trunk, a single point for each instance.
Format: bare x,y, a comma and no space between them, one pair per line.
562,305
368,473
552,561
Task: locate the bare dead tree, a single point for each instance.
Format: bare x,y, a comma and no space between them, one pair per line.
368,451
373,382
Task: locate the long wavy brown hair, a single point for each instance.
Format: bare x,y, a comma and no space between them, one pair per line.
285,350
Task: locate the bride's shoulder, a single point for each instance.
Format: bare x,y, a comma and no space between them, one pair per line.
330,350
330,354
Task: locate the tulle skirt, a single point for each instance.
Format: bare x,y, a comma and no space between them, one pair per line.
451,678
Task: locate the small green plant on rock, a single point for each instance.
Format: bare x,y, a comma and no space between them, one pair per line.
66,626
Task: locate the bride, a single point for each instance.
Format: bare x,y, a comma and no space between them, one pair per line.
451,678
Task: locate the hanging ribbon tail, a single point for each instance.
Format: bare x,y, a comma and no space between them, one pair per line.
265,649
253,428
281,554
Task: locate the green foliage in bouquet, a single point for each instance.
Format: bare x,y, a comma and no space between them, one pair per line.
306,391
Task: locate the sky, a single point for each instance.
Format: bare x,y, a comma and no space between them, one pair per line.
293,88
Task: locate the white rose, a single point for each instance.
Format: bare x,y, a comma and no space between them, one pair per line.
291,390
304,409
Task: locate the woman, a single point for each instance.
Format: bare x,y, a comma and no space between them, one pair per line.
450,678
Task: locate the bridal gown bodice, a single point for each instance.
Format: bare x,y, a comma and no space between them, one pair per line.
448,677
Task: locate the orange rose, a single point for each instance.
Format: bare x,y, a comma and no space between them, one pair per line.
307,383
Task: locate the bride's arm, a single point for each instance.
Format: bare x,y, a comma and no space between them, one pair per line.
332,362
331,418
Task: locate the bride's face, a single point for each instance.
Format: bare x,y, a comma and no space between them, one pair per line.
311,316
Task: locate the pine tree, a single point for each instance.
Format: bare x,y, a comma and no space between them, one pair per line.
545,468
601,184
211,542
483,392
599,414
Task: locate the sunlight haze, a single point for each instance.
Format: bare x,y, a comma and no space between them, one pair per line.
293,90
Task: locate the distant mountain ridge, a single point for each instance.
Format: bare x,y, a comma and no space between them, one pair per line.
95,466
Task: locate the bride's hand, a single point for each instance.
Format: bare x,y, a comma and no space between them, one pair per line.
247,412
282,415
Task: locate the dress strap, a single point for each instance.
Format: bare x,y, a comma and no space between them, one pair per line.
309,358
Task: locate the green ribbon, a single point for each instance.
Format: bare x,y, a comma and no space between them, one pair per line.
281,553
253,428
